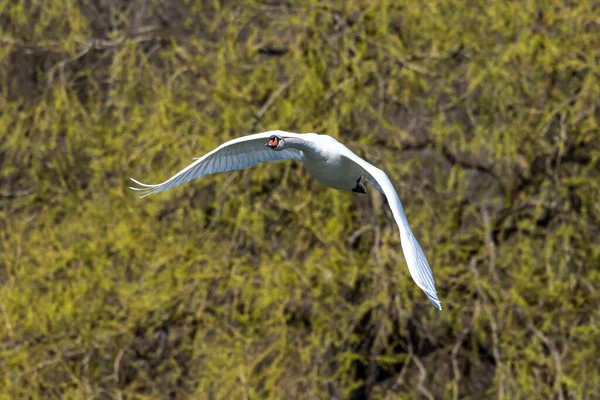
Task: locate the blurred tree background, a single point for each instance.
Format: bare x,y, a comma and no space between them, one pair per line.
262,283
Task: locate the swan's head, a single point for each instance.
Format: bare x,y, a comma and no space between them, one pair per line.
275,142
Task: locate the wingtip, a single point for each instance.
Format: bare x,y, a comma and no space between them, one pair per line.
145,189
140,183
433,298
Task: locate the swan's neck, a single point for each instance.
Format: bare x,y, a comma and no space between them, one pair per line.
300,144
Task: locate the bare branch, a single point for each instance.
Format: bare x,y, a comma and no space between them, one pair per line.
265,107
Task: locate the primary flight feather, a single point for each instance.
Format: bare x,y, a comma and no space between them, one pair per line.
326,159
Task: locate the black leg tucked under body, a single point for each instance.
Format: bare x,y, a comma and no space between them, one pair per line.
359,188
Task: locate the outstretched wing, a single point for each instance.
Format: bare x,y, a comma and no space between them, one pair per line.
233,155
415,258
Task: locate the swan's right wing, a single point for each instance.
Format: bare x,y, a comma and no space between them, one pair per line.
415,258
233,155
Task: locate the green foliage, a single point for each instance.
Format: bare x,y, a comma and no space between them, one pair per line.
262,283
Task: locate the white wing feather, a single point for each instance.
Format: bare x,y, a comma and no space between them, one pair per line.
415,258
233,155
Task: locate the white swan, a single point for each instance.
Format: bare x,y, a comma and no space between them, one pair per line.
329,161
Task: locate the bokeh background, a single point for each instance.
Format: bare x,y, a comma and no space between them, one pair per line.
263,283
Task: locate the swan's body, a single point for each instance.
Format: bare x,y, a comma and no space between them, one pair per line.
326,159
328,165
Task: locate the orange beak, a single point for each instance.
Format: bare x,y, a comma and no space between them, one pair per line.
273,143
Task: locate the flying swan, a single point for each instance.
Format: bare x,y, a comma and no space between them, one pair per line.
326,159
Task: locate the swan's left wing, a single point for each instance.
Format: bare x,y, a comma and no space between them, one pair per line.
233,155
415,258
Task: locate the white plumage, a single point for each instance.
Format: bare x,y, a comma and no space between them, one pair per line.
326,159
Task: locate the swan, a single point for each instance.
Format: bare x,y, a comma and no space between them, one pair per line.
327,160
